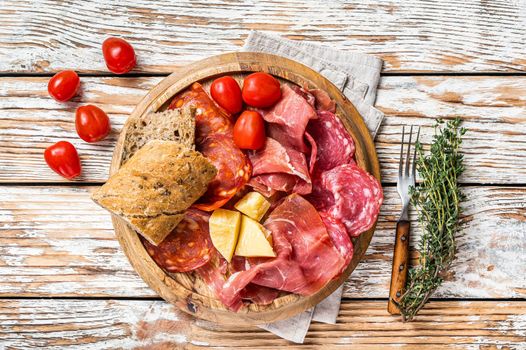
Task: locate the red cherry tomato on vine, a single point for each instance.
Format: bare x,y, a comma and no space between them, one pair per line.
226,92
249,131
261,90
119,55
92,123
62,158
63,85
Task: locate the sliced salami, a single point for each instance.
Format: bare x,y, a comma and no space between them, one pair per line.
209,117
356,197
335,145
187,248
233,170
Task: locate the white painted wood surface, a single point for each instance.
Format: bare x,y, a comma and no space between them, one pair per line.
494,110
132,324
456,35
55,241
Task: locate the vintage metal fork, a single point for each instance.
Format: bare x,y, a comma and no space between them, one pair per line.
406,178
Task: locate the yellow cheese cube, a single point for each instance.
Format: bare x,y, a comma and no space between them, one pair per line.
254,205
224,231
253,239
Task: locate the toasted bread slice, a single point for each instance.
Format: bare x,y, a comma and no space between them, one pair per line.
171,125
153,189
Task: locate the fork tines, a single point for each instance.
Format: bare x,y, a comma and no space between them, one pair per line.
408,155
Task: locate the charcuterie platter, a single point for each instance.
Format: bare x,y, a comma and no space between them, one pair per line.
184,267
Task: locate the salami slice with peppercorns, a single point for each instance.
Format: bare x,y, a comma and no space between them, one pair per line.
233,170
187,247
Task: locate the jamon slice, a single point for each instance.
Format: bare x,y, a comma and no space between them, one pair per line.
280,169
288,119
339,238
306,257
323,101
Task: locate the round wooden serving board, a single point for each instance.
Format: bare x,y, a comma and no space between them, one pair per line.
185,289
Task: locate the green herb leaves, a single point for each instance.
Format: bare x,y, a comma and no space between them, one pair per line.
437,200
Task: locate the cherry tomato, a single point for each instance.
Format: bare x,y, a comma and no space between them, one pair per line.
63,85
249,131
62,158
226,92
261,90
92,123
119,55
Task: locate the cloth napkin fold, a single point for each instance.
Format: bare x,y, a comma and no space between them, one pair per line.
357,75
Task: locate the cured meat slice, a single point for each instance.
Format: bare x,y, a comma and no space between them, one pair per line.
233,170
258,294
335,145
323,101
255,183
355,197
306,257
281,169
213,275
209,117
313,152
307,95
187,247
339,238
288,119
284,183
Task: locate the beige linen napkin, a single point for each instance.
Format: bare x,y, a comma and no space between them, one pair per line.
357,75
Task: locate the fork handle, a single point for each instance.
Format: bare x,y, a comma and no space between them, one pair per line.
400,261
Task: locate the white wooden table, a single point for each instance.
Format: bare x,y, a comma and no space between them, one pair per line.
65,283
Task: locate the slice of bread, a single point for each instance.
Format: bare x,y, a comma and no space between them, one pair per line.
154,188
171,125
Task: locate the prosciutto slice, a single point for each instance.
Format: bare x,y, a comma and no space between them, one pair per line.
288,119
278,168
323,101
306,256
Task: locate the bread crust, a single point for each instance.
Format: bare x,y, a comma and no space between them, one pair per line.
153,189
171,125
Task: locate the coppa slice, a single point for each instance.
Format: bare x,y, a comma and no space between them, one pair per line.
187,248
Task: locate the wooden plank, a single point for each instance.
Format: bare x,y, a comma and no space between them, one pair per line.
423,36
493,109
55,241
103,324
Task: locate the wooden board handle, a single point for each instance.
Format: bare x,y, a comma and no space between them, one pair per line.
400,261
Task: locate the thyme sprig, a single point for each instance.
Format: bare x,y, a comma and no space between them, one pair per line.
437,200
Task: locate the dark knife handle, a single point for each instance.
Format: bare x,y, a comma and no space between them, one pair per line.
400,261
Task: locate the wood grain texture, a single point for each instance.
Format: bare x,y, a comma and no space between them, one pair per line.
55,241
100,324
493,108
47,36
